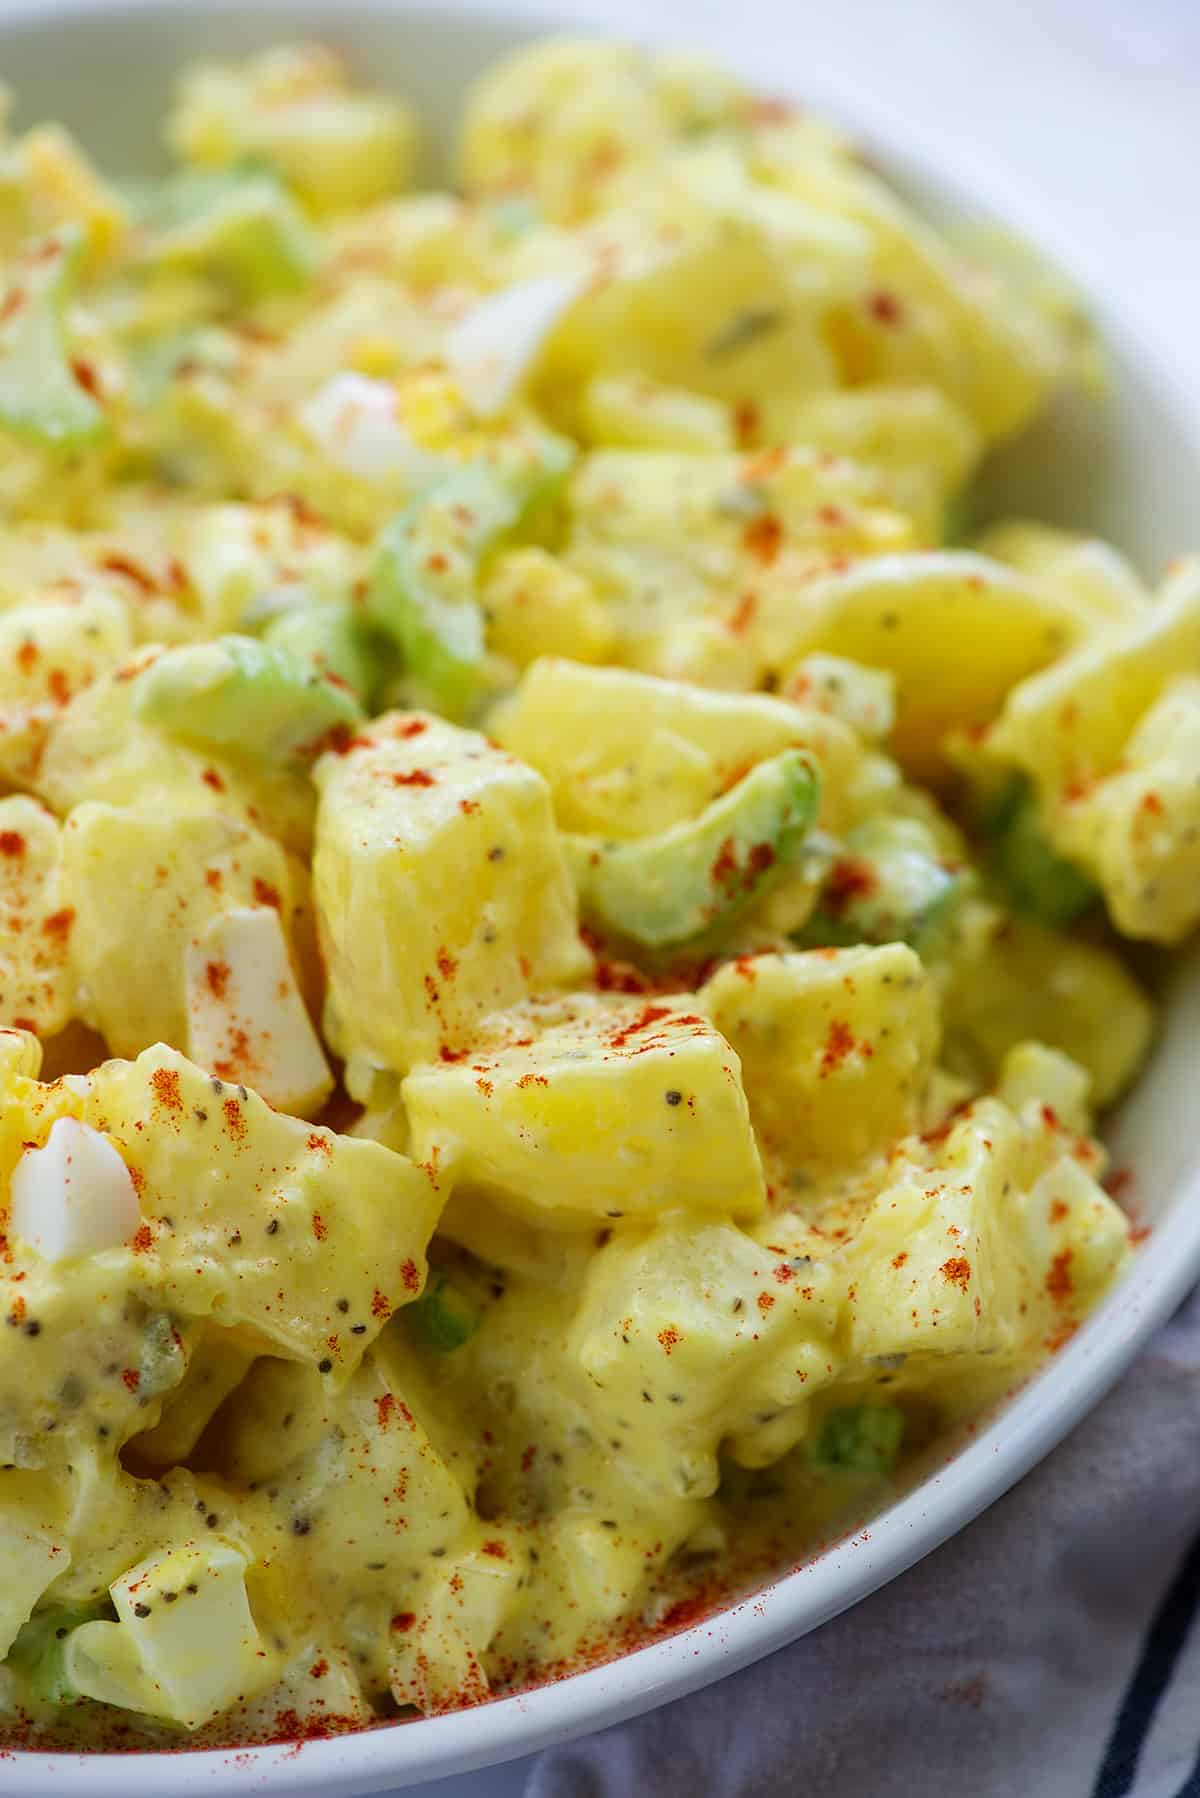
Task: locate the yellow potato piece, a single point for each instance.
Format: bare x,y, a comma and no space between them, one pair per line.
596,1107
956,631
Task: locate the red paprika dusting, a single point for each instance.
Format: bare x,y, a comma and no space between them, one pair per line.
1059,1283
58,686
235,1123
403,1621
838,1044
58,924
164,1083
27,656
381,1305
116,563
958,1271
884,307
417,777
447,965
319,1669
533,1080
745,423
743,614
899,1260
650,1014
340,740
412,727
212,779
320,1228
725,868
763,538
765,1302
266,894
849,878
385,1404
1058,1211
668,1338
87,377
411,1277
495,1549
468,806
216,978
143,1239
131,1378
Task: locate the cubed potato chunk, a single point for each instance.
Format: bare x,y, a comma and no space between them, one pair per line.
441,889
836,1045
594,1106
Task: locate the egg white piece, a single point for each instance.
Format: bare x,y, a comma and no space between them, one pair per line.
74,1196
353,421
247,1021
492,349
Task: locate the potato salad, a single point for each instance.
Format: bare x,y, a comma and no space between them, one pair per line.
561,883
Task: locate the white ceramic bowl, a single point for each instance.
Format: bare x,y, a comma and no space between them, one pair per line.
1131,474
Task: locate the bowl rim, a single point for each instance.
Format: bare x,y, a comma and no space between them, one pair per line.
1026,1427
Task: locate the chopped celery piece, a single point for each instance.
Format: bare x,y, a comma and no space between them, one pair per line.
40,398
1037,879
666,890
245,697
38,1654
335,640
240,225
865,1438
888,888
443,1318
423,588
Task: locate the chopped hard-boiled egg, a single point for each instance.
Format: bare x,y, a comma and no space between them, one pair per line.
246,1018
355,422
74,1195
186,1644
492,349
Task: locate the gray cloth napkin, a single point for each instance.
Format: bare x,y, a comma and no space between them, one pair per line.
1048,1651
